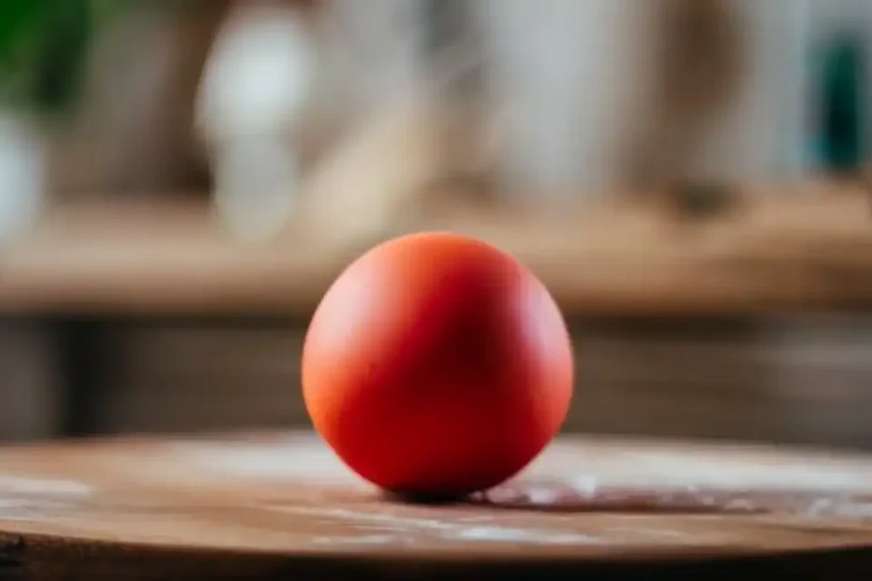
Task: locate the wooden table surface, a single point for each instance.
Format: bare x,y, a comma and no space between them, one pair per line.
265,506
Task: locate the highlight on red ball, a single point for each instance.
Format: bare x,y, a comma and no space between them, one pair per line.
437,364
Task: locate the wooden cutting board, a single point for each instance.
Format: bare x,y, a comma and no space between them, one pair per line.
276,506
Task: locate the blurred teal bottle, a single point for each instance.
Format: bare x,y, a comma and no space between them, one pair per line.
841,144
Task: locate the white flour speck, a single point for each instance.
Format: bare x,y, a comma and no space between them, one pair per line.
585,485
518,535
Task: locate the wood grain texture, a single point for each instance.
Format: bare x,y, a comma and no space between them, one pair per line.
793,247
281,506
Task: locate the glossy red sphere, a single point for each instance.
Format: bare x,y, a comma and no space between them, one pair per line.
437,364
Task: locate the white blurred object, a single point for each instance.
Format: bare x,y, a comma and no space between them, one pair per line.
255,184
587,92
22,177
254,86
569,81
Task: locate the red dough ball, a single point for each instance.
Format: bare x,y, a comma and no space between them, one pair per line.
437,365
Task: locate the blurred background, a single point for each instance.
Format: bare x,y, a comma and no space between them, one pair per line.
181,180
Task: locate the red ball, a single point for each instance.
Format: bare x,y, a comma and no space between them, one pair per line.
437,365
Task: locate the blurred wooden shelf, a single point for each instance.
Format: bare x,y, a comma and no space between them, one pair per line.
804,248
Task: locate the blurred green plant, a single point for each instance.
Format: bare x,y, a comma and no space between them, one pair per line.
43,49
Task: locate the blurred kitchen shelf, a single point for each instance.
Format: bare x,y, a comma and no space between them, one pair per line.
807,247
